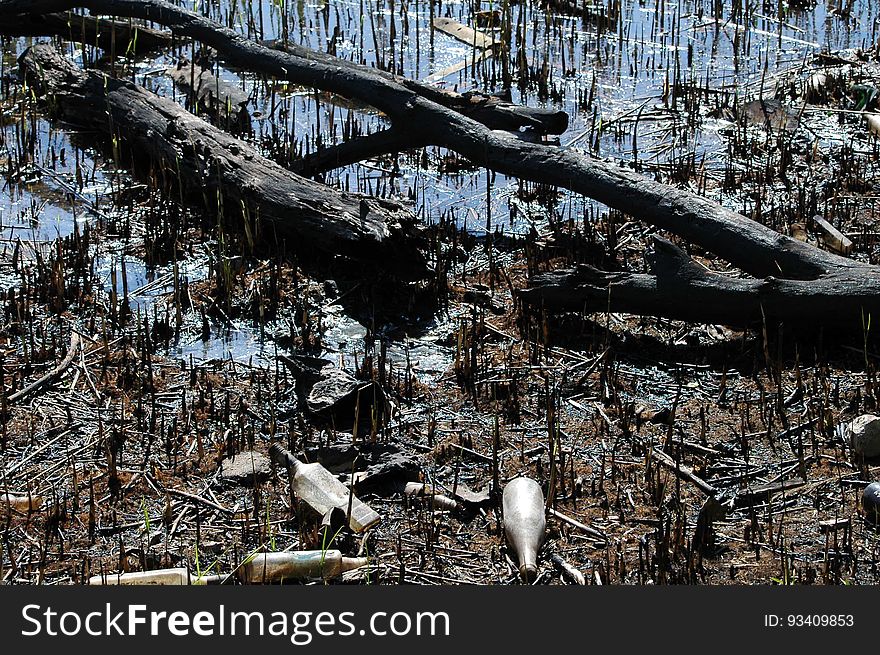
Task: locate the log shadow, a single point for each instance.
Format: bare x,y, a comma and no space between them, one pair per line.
742,350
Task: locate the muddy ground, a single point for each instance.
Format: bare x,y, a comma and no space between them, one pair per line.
191,337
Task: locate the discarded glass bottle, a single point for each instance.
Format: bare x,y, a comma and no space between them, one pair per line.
524,523
20,503
319,488
871,502
178,576
298,565
438,501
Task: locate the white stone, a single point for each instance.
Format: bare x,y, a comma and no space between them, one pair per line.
864,435
246,468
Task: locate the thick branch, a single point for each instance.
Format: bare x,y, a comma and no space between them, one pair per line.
106,34
491,111
678,288
360,148
201,157
225,103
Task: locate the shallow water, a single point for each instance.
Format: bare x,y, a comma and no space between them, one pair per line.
631,66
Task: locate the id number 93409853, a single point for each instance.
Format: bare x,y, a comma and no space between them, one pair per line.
809,620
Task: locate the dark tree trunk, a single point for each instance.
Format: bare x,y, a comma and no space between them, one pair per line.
679,288
204,161
106,34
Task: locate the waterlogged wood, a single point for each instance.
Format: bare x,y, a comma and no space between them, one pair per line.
357,150
440,75
463,33
743,242
465,129
224,103
838,294
491,111
198,156
307,67
124,37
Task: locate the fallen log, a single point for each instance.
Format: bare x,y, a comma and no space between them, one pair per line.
125,37
201,157
467,35
677,287
492,111
756,249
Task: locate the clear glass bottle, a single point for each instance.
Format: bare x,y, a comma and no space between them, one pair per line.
178,576
319,488
20,503
524,523
297,565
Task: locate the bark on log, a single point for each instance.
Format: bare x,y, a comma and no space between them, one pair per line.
358,149
679,288
102,32
491,111
209,161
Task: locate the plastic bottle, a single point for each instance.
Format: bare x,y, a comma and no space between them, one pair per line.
524,523
320,489
178,576
298,565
